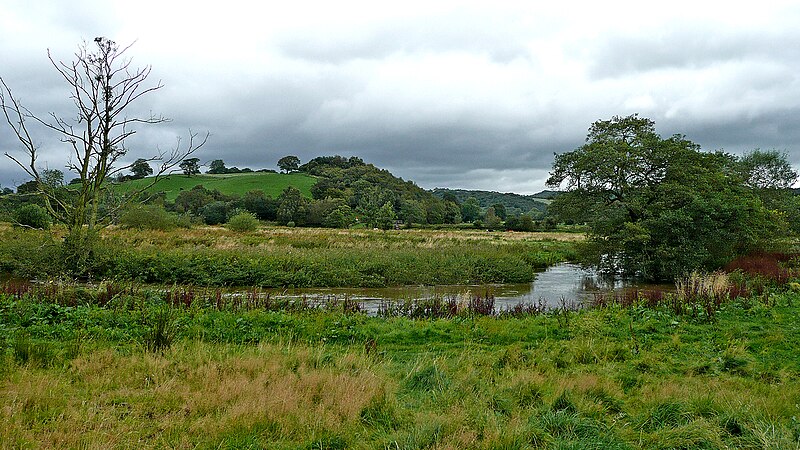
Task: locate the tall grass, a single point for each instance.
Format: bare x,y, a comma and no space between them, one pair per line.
264,379
284,257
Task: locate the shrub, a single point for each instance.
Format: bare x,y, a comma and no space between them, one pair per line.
33,216
214,213
148,217
243,222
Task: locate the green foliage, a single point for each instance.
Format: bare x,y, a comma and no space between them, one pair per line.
160,329
767,170
217,166
520,223
190,166
33,216
385,217
341,217
258,203
272,184
301,258
141,168
470,210
304,380
292,207
493,222
214,213
148,217
506,204
657,207
243,222
289,163
366,188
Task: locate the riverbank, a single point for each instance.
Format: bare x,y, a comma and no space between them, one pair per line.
276,257
138,373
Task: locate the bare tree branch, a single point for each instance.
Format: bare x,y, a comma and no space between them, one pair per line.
103,86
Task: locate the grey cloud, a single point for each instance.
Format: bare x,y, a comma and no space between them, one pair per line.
778,130
679,48
386,92
463,33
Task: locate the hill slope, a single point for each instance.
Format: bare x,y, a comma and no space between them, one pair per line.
514,203
235,183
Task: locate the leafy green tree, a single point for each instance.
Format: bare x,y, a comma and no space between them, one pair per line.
319,210
289,163
141,169
500,210
412,211
28,187
292,207
452,212
657,207
341,217
148,217
492,221
767,170
470,210
435,211
450,197
770,175
217,166
385,217
520,223
243,222
214,213
258,203
190,166
192,200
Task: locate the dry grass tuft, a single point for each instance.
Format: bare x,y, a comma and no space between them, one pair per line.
189,395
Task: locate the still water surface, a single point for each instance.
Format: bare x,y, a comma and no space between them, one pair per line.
562,284
565,282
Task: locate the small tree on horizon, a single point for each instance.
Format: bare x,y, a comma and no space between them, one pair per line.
190,166
289,163
217,166
140,169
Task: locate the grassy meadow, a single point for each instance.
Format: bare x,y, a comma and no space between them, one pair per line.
136,360
276,257
229,184
91,376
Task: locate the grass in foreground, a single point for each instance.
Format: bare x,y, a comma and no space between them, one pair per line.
624,378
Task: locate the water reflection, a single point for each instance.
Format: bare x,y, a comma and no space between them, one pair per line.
561,284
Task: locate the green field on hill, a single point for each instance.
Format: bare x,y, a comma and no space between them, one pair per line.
230,184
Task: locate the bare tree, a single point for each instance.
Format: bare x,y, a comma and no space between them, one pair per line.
103,86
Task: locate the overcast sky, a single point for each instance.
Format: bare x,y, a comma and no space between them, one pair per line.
447,94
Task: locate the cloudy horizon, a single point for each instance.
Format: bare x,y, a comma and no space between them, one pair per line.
449,94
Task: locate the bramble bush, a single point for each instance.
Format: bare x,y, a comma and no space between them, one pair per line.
33,216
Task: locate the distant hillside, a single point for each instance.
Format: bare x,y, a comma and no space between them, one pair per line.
515,203
549,195
366,189
239,183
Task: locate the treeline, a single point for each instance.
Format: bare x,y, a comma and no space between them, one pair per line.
512,204
348,192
